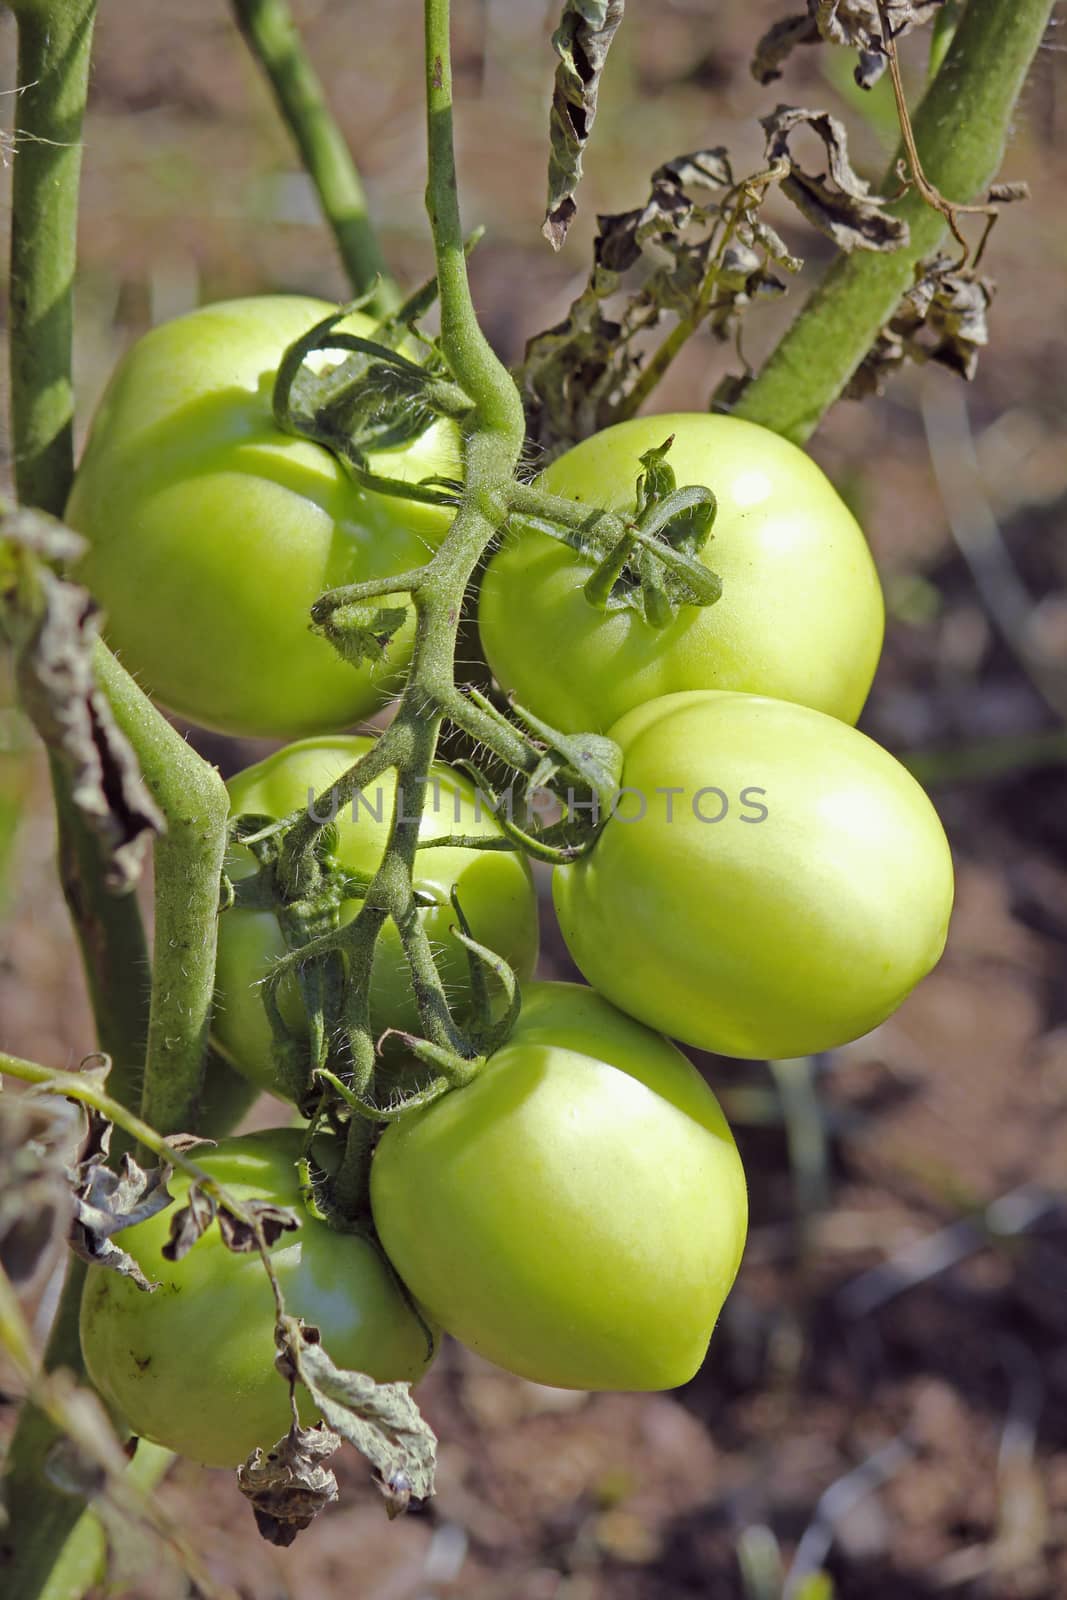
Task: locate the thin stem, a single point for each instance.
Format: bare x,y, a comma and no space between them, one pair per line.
272,37
960,131
488,727
474,364
82,1087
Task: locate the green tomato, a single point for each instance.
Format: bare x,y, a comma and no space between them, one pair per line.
212,533
495,891
191,1365
771,882
577,1214
800,616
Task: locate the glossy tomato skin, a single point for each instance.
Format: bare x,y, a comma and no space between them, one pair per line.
212,533
784,899
191,1365
577,1214
800,617
495,890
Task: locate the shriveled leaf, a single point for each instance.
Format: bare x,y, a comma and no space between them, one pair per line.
380,1419
189,1223
944,317
840,203
38,1136
851,22
54,626
291,1484
697,251
581,41
106,1201
269,1220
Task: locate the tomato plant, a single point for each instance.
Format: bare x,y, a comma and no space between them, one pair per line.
191,1364
494,889
758,935
279,552
577,1214
212,532
800,616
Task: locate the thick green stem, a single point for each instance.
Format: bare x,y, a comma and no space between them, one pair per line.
961,129
188,869
272,36
54,43
113,948
55,37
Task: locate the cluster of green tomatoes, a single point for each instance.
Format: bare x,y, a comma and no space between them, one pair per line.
768,883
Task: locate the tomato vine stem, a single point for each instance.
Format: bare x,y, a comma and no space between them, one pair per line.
274,41
960,130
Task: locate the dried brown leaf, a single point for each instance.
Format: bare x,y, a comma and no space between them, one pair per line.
839,203
582,42
849,22
291,1484
54,627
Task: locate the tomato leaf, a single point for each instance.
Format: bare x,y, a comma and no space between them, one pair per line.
106,1201
852,22
380,1419
943,318
270,1221
840,203
291,1484
697,251
582,42
54,626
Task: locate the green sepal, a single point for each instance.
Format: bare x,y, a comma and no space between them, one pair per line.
362,633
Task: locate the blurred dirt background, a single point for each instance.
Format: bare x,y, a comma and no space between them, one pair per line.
886,1398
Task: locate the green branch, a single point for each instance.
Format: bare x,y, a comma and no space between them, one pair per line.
188,871
273,39
54,44
961,129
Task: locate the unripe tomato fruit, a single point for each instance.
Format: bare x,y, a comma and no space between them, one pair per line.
191,1365
765,936
577,1213
212,533
495,891
800,616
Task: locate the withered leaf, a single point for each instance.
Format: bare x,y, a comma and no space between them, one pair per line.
189,1223
680,255
289,1485
851,22
380,1419
944,317
54,627
581,41
106,1201
841,204
241,1236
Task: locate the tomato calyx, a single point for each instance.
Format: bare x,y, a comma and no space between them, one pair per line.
648,562
374,398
